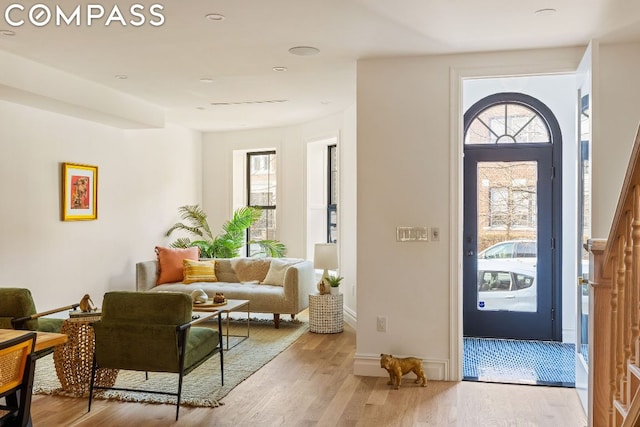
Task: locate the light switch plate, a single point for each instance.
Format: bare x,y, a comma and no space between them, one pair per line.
412,234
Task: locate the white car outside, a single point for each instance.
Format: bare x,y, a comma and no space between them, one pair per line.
525,251
506,285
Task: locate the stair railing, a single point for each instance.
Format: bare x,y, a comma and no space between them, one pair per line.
614,310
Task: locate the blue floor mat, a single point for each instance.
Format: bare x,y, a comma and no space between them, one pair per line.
519,362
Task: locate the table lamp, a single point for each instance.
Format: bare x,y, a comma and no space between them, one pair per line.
325,257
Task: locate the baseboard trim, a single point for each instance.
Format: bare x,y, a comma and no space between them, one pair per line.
350,318
369,366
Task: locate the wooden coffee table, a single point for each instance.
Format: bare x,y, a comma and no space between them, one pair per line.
231,306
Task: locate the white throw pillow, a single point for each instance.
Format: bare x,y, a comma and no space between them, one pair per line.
277,270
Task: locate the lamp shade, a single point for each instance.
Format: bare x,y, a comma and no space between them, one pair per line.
325,256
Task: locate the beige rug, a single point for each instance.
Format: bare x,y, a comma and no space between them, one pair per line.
202,386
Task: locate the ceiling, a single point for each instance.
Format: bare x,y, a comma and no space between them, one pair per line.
164,64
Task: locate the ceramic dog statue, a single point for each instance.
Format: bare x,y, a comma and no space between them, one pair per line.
397,367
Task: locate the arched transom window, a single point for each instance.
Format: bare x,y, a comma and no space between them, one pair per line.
507,123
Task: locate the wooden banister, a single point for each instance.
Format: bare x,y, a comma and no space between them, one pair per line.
614,320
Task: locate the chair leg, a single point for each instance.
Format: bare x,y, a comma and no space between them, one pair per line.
276,320
93,377
24,412
179,394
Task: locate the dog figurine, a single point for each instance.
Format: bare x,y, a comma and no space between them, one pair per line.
397,367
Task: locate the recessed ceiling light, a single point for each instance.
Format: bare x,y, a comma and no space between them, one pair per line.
215,17
121,76
200,108
304,50
206,80
8,33
545,12
280,68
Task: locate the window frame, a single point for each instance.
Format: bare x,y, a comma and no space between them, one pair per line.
249,157
332,191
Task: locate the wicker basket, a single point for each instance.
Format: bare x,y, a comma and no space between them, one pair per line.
73,360
325,314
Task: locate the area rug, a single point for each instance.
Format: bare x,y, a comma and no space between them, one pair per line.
202,386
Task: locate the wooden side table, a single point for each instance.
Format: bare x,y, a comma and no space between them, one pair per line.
74,359
326,313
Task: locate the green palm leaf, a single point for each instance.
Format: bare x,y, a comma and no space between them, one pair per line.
232,239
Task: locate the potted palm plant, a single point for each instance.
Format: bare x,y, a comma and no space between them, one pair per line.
226,244
334,282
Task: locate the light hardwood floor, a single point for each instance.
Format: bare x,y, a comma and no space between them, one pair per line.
311,384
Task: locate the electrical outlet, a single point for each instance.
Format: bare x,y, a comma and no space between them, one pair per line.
382,324
435,234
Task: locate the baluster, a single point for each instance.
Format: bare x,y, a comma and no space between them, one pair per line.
635,277
626,304
619,337
613,259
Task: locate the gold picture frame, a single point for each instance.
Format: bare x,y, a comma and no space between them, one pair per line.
79,192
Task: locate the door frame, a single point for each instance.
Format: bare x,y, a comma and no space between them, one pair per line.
535,63
503,151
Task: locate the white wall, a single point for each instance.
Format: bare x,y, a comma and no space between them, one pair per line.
408,156
558,92
617,115
290,145
143,176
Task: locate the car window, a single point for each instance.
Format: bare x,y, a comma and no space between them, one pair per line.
504,250
522,281
494,281
526,250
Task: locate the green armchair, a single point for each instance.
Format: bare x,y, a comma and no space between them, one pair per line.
152,332
18,311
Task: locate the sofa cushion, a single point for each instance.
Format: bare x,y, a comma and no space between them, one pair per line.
251,269
170,268
199,271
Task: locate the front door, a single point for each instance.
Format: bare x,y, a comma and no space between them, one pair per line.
584,77
510,288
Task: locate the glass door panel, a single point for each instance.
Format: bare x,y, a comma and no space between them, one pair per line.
507,231
584,231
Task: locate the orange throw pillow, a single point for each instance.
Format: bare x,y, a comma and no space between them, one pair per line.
170,263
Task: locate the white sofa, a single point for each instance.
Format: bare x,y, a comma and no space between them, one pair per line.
242,278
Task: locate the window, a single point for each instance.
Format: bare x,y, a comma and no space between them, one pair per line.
261,193
498,206
332,200
526,250
507,123
494,281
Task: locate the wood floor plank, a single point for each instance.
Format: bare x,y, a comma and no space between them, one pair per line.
312,384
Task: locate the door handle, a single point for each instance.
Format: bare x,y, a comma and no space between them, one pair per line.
470,253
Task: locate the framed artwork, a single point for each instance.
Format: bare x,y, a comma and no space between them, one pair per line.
79,192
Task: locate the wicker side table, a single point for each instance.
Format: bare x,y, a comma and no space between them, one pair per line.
325,314
73,360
